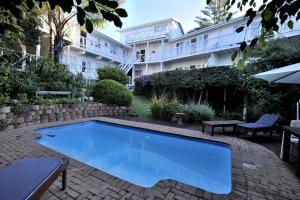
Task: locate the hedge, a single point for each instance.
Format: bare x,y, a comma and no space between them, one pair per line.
191,79
112,73
111,92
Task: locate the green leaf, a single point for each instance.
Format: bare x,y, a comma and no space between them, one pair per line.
92,7
88,25
234,55
121,12
112,4
243,46
268,15
229,16
240,29
30,4
291,24
241,64
80,16
245,55
262,7
253,42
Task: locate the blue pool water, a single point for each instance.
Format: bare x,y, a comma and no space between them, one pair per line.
143,157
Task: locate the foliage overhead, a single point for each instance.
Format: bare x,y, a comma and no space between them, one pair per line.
26,30
108,9
273,14
112,73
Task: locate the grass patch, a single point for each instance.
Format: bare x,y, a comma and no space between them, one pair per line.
141,106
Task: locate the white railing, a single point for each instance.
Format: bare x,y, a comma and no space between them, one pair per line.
223,42
145,35
87,71
91,44
152,57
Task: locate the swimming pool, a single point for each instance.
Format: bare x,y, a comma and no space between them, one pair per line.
143,157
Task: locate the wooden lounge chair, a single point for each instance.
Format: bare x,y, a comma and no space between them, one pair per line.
265,123
31,177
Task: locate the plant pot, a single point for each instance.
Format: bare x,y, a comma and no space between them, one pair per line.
5,109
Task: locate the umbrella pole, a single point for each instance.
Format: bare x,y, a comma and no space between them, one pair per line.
297,113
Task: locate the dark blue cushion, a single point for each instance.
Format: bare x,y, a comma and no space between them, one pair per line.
265,121
22,178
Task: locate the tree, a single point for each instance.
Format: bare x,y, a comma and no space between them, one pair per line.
84,10
26,34
273,14
213,13
59,23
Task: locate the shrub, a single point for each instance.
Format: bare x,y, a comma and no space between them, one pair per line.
66,101
163,109
4,100
113,73
195,112
3,124
21,105
44,101
111,92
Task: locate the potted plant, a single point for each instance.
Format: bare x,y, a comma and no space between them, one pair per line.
4,108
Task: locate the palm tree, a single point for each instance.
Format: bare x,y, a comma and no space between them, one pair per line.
59,23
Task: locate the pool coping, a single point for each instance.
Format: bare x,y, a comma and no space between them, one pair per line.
245,180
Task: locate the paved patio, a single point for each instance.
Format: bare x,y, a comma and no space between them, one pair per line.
257,173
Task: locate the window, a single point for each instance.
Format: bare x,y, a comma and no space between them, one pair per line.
179,48
138,72
205,41
160,29
83,65
193,45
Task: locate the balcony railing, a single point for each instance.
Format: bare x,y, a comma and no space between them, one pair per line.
92,45
153,57
209,45
145,35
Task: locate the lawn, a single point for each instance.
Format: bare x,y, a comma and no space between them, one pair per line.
141,106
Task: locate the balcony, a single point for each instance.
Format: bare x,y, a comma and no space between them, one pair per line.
146,35
224,42
91,45
149,58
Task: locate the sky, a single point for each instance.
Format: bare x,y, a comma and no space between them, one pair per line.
144,11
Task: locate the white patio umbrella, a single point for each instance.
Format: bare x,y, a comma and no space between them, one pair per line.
289,74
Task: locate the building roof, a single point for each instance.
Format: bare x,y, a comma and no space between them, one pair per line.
152,23
111,39
209,28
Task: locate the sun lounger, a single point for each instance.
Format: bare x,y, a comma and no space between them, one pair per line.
31,177
265,123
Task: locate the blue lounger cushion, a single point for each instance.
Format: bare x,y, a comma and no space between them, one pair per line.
266,121
24,177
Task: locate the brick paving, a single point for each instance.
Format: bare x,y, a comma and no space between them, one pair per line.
257,173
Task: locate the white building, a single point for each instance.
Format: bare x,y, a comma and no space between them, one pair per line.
160,46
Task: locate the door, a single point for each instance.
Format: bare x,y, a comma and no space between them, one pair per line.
193,45
143,52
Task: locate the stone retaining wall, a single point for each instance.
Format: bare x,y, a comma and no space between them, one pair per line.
45,114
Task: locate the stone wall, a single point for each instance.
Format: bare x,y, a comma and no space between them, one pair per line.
45,114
